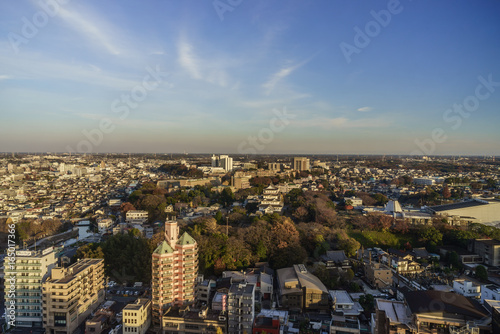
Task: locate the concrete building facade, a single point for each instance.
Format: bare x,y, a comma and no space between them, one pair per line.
71,294
174,271
301,163
30,270
240,308
137,317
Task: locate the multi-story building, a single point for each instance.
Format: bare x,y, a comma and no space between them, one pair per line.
488,249
136,216
71,294
301,163
186,320
391,317
467,288
446,312
275,166
271,200
175,268
490,291
29,271
240,308
226,163
104,224
137,316
203,289
378,274
222,161
344,325
299,290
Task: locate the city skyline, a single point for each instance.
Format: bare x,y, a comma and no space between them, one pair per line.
298,77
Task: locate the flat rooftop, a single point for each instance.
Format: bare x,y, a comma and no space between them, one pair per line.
396,311
455,206
137,305
341,297
72,271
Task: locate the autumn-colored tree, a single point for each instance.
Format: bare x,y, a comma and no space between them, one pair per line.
401,226
125,207
446,192
301,213
284,234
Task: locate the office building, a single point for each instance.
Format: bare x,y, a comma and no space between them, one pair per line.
71,294
222,161
137,316
301,163
488,249
175,268
30,270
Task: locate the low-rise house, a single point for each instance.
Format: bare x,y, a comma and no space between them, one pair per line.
344,305
336,259
344,325
270,322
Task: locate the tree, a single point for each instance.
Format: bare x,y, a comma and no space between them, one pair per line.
446,192
125,207
226,197
481,273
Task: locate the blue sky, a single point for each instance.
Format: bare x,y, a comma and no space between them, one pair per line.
225,72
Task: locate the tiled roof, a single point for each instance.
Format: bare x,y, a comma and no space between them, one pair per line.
163,248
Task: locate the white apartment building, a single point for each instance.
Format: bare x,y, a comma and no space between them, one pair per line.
30,270
467,288
490,291
136,216
104,224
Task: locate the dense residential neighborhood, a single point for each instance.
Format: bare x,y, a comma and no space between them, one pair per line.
157,243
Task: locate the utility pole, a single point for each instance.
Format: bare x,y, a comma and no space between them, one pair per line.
227,227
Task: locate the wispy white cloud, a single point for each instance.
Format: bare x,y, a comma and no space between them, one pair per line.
365,109
340,122
37,66
209,70
187,59
4,77
280,75
91,27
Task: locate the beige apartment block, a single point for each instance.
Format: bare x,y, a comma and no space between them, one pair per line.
137,316
174,271
71,294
